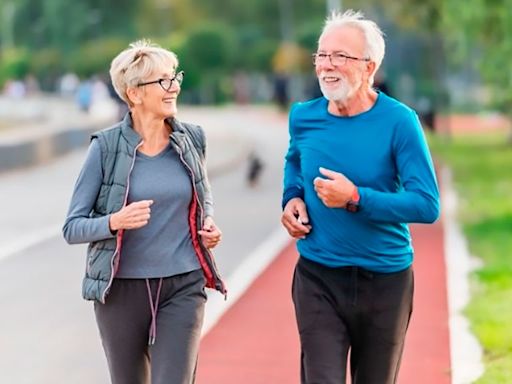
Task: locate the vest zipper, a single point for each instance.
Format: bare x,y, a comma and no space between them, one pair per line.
120,232
196,197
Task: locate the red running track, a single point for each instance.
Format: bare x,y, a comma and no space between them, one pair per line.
256,341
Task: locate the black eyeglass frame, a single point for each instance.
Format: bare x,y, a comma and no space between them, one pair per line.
339,55
178,77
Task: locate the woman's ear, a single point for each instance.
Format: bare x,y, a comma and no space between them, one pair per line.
134,95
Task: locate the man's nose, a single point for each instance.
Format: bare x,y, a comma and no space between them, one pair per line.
325,65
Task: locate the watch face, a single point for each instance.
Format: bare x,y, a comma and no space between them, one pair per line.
352,206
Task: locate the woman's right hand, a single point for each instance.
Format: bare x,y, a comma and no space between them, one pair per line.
131,216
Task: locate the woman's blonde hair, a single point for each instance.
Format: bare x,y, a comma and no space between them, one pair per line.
136,63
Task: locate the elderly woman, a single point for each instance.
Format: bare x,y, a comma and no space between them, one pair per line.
143,203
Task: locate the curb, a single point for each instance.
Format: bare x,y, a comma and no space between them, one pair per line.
42,149
465,348
39,150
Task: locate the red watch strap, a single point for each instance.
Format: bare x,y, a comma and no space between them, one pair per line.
355,195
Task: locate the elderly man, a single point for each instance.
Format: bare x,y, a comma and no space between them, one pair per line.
357,171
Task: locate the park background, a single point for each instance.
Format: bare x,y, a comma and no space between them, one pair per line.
449,60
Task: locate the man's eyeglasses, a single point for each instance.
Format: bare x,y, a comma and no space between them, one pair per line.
335,58
166,83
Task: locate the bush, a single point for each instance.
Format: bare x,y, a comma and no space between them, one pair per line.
14,64
95,56
47,64
210,48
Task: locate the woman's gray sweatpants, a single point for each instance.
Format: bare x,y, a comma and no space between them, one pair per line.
124,323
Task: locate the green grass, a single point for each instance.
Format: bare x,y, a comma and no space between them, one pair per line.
482,168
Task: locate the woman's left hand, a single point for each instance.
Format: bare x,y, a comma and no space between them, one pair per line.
210,234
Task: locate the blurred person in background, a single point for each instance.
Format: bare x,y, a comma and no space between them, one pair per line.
281,92
357,170
15,89
254,169
121,106
143,203
68,84
32,86
83,95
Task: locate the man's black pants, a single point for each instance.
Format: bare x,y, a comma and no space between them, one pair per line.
350,308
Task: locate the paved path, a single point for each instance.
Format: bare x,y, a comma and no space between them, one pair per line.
256,341
427,350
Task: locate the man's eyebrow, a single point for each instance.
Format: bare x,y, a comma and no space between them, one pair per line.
334,52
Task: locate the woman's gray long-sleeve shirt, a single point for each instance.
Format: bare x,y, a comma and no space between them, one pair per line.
161,248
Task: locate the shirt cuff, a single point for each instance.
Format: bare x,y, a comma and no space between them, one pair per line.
106,228
291,193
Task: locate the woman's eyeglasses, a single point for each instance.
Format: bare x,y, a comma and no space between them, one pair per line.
166,83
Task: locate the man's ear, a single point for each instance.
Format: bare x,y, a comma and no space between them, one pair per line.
371,68
134,95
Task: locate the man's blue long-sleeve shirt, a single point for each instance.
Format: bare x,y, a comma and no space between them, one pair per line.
384,153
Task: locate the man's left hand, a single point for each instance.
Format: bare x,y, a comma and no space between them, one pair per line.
335,190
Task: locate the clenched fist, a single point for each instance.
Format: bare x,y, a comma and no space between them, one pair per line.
131,216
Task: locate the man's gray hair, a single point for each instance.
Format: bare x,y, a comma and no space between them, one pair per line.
375,45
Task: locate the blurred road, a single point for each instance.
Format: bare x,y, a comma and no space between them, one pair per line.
48,333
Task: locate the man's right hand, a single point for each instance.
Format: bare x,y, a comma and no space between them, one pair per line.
295,218
131,216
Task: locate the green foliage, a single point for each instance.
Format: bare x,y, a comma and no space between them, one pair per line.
75,35
207,54
14,64
260,25
45,61
481,166
308,34
64,24
482,29
47,64
210,47
259,57
414,13
94,57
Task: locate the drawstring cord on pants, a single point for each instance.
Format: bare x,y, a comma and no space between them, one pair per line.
154,310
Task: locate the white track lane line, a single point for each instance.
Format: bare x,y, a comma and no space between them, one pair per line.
243,276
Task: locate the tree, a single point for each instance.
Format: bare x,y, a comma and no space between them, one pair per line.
14,64
482,30
208,54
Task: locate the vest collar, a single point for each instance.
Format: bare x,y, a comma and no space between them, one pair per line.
175,125
178,132
134,138
128,132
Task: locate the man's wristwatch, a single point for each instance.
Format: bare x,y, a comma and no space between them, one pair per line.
353,203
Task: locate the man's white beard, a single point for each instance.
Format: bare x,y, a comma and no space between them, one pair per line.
344,90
